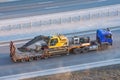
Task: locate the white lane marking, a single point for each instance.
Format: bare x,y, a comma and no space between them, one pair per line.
96,1
74,4
102,0
13,0
8,0
52,7
62,70
45,2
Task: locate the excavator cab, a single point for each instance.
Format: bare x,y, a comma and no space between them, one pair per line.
58,41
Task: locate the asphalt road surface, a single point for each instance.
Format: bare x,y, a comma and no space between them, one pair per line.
7,67
24,8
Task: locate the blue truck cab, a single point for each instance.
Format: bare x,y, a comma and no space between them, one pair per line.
104,36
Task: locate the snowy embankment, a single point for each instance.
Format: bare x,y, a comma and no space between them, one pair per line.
64,22
1,1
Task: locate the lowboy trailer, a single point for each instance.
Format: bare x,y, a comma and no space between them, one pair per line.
42,47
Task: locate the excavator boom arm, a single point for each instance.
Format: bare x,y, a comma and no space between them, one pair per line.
34,40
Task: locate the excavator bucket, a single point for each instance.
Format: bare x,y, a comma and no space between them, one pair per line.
12,49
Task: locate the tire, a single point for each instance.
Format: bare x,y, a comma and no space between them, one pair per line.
23,60
14,60
111,44
68,54
45,57
36,58
77,51
85,50
18,60
30,59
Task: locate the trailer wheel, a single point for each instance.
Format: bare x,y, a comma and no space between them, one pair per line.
23,60
18,60
85,50
14,60
45,57
30,59
77,51
36,58
68,54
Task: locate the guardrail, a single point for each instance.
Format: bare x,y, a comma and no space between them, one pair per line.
48,23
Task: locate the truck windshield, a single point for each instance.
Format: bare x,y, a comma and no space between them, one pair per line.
53,42
108,36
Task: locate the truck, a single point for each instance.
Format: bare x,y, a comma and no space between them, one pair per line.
43,47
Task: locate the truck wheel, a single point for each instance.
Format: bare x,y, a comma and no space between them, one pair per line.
111,44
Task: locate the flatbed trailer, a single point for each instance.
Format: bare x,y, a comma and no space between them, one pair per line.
17,56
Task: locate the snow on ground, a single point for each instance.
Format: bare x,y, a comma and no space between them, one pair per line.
7,0
59,23
65,28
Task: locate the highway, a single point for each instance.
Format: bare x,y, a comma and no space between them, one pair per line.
25,8
40,7
7,67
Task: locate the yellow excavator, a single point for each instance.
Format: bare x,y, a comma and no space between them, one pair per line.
54,44
45,42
